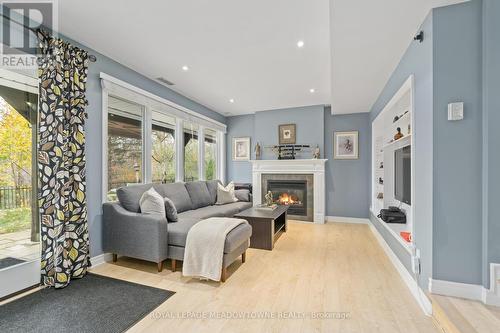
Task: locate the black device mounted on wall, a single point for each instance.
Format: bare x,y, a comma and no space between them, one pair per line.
392,215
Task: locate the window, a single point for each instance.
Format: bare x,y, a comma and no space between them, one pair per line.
148,139
162,148
191,158
124,145
210,154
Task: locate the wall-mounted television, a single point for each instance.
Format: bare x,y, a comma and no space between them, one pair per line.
402,174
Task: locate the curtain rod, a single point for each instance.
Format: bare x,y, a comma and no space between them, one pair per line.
92,57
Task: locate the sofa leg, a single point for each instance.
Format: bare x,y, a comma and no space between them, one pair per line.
223,274
174,264
160,266
243,257
115,257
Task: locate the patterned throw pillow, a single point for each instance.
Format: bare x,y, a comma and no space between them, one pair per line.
225,195
152,203
170,210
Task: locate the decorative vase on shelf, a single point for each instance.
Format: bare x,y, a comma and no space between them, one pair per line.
398,135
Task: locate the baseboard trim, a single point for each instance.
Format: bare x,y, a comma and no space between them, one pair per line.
345,219
101,259
473,292
456,289
416,291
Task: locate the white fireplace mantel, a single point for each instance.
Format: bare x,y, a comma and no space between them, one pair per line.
316,167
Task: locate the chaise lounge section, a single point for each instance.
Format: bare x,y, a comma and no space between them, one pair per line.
128,232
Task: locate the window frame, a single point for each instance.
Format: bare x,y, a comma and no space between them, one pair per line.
163,124
140,116
152,103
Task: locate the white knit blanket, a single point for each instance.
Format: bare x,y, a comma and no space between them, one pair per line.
204,249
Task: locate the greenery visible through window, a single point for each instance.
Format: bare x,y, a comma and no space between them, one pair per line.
15,162
191,171
124,146
163,149
210,154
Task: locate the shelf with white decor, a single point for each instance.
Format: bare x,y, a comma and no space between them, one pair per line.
398,113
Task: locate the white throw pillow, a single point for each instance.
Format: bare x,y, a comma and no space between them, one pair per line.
152,203
225,195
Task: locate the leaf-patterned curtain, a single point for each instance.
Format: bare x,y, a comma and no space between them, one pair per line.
61,161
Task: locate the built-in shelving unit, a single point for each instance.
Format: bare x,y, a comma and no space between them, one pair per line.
398,113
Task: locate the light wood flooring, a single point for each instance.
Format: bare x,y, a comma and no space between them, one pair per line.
334,269
456,315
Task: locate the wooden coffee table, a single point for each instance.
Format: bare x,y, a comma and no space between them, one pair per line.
267,225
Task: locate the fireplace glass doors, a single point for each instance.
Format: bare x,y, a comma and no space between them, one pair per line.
292,190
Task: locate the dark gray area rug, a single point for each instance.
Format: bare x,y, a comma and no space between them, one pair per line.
9,261
93,304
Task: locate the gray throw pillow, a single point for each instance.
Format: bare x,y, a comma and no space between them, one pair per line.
170,210
152,203
242,195
199,194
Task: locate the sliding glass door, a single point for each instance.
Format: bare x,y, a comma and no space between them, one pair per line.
19,224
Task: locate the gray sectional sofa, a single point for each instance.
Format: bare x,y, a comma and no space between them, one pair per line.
150,237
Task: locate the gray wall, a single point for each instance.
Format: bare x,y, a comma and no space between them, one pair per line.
347,181
262,127
309,124
456,226
457,202
417,61
491,135
239,126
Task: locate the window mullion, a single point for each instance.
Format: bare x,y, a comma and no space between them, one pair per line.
147,145
179,150
221,156
201,153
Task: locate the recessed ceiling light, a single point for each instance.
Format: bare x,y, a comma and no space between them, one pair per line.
312,90
300,44
231,100
185,68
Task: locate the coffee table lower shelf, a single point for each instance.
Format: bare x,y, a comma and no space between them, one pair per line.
267,226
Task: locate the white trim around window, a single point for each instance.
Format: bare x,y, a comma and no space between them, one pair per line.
112,86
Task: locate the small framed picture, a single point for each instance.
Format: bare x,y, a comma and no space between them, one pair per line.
345,145
286,134
241,149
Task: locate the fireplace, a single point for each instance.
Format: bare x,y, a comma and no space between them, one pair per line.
291,193
294,190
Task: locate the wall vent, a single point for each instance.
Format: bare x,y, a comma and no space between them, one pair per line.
165,81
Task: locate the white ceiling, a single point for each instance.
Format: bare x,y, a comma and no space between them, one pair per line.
368,39
246,50
241,50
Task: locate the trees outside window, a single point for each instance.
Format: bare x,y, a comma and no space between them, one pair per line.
210,143
191,172
163,149
125,145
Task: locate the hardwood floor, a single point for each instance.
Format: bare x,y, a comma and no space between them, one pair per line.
330,269
456,315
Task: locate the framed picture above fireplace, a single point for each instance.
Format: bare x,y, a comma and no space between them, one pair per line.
241,149
287,134
345,145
